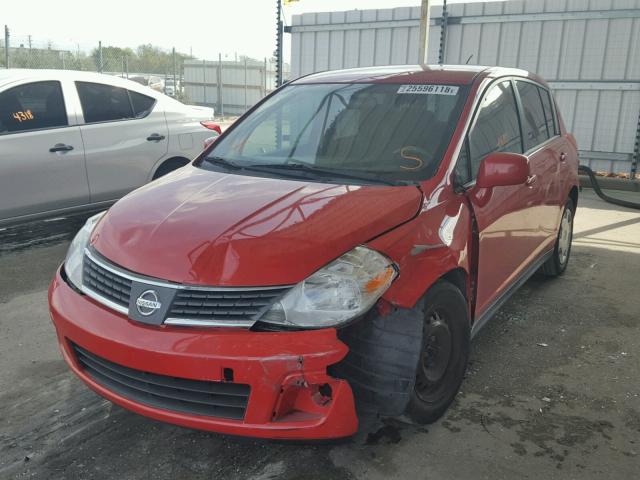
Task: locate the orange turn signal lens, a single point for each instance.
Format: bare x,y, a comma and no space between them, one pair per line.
380,280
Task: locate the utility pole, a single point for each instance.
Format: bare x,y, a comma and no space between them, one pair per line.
425,16
29,37
443,34
6,46
279,34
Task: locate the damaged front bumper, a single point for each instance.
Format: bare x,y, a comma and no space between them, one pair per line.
264,384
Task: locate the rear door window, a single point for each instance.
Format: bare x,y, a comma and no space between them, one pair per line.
32,106
496,128
534,127
104,103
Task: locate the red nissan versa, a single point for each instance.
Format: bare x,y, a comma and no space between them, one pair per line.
338,245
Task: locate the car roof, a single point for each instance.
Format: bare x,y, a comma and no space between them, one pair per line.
12,75
414,74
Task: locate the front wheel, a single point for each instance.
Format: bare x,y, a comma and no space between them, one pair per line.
557,264
444,355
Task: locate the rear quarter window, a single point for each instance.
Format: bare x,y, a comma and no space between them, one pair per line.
549,112
142,104
534,126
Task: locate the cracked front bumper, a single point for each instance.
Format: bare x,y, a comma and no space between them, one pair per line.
291,395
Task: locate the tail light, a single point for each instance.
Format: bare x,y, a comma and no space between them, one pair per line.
212,126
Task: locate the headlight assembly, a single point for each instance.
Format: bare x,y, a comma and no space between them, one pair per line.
337,293
75,254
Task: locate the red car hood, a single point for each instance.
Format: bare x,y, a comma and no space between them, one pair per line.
208,228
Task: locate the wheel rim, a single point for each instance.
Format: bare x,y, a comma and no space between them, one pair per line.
436,355
564,236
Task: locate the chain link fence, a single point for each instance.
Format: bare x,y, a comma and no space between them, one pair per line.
230,86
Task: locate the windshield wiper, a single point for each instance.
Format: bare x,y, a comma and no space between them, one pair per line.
223,162
298,166
230,165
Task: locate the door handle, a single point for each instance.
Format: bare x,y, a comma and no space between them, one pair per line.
531,179
563,157
155,137
60,147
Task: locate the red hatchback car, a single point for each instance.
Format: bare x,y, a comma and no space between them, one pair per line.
339,245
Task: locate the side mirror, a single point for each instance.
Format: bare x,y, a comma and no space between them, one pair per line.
501,169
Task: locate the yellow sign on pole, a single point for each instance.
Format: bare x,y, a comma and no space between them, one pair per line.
287,2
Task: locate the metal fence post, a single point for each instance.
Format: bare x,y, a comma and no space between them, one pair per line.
6,46
204,82
264,78
245,84
100,64
175,85
220,100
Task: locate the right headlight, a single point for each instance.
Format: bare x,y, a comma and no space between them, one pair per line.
337,293
75,254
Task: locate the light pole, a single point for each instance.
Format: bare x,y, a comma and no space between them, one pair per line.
425,14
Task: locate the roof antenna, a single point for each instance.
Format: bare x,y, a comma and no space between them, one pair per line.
468,59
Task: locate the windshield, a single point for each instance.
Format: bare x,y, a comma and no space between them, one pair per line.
378,131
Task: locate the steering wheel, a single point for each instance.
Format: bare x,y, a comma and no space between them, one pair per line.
412,154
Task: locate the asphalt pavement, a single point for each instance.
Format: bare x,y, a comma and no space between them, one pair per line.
552,391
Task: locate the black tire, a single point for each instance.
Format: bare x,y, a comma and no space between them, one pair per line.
443,359
169,166
557,263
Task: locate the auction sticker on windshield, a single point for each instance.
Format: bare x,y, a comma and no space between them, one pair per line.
429,89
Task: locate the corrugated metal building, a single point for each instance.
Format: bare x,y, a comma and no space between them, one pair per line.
229,87
589,51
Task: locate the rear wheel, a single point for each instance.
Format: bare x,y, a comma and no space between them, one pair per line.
557,264
445,353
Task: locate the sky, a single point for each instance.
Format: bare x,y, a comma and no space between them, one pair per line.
203,28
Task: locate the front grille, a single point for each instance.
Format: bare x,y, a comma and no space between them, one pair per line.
195,397
220,305
109,285
113,286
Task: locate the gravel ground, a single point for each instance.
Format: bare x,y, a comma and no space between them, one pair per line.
553,389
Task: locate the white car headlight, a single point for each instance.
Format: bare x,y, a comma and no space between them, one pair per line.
75,254
341,291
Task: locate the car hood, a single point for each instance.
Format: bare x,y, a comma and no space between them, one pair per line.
206,228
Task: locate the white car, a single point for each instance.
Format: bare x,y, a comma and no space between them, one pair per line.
74,140
170,87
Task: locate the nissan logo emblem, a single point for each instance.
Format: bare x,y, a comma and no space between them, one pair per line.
147,303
